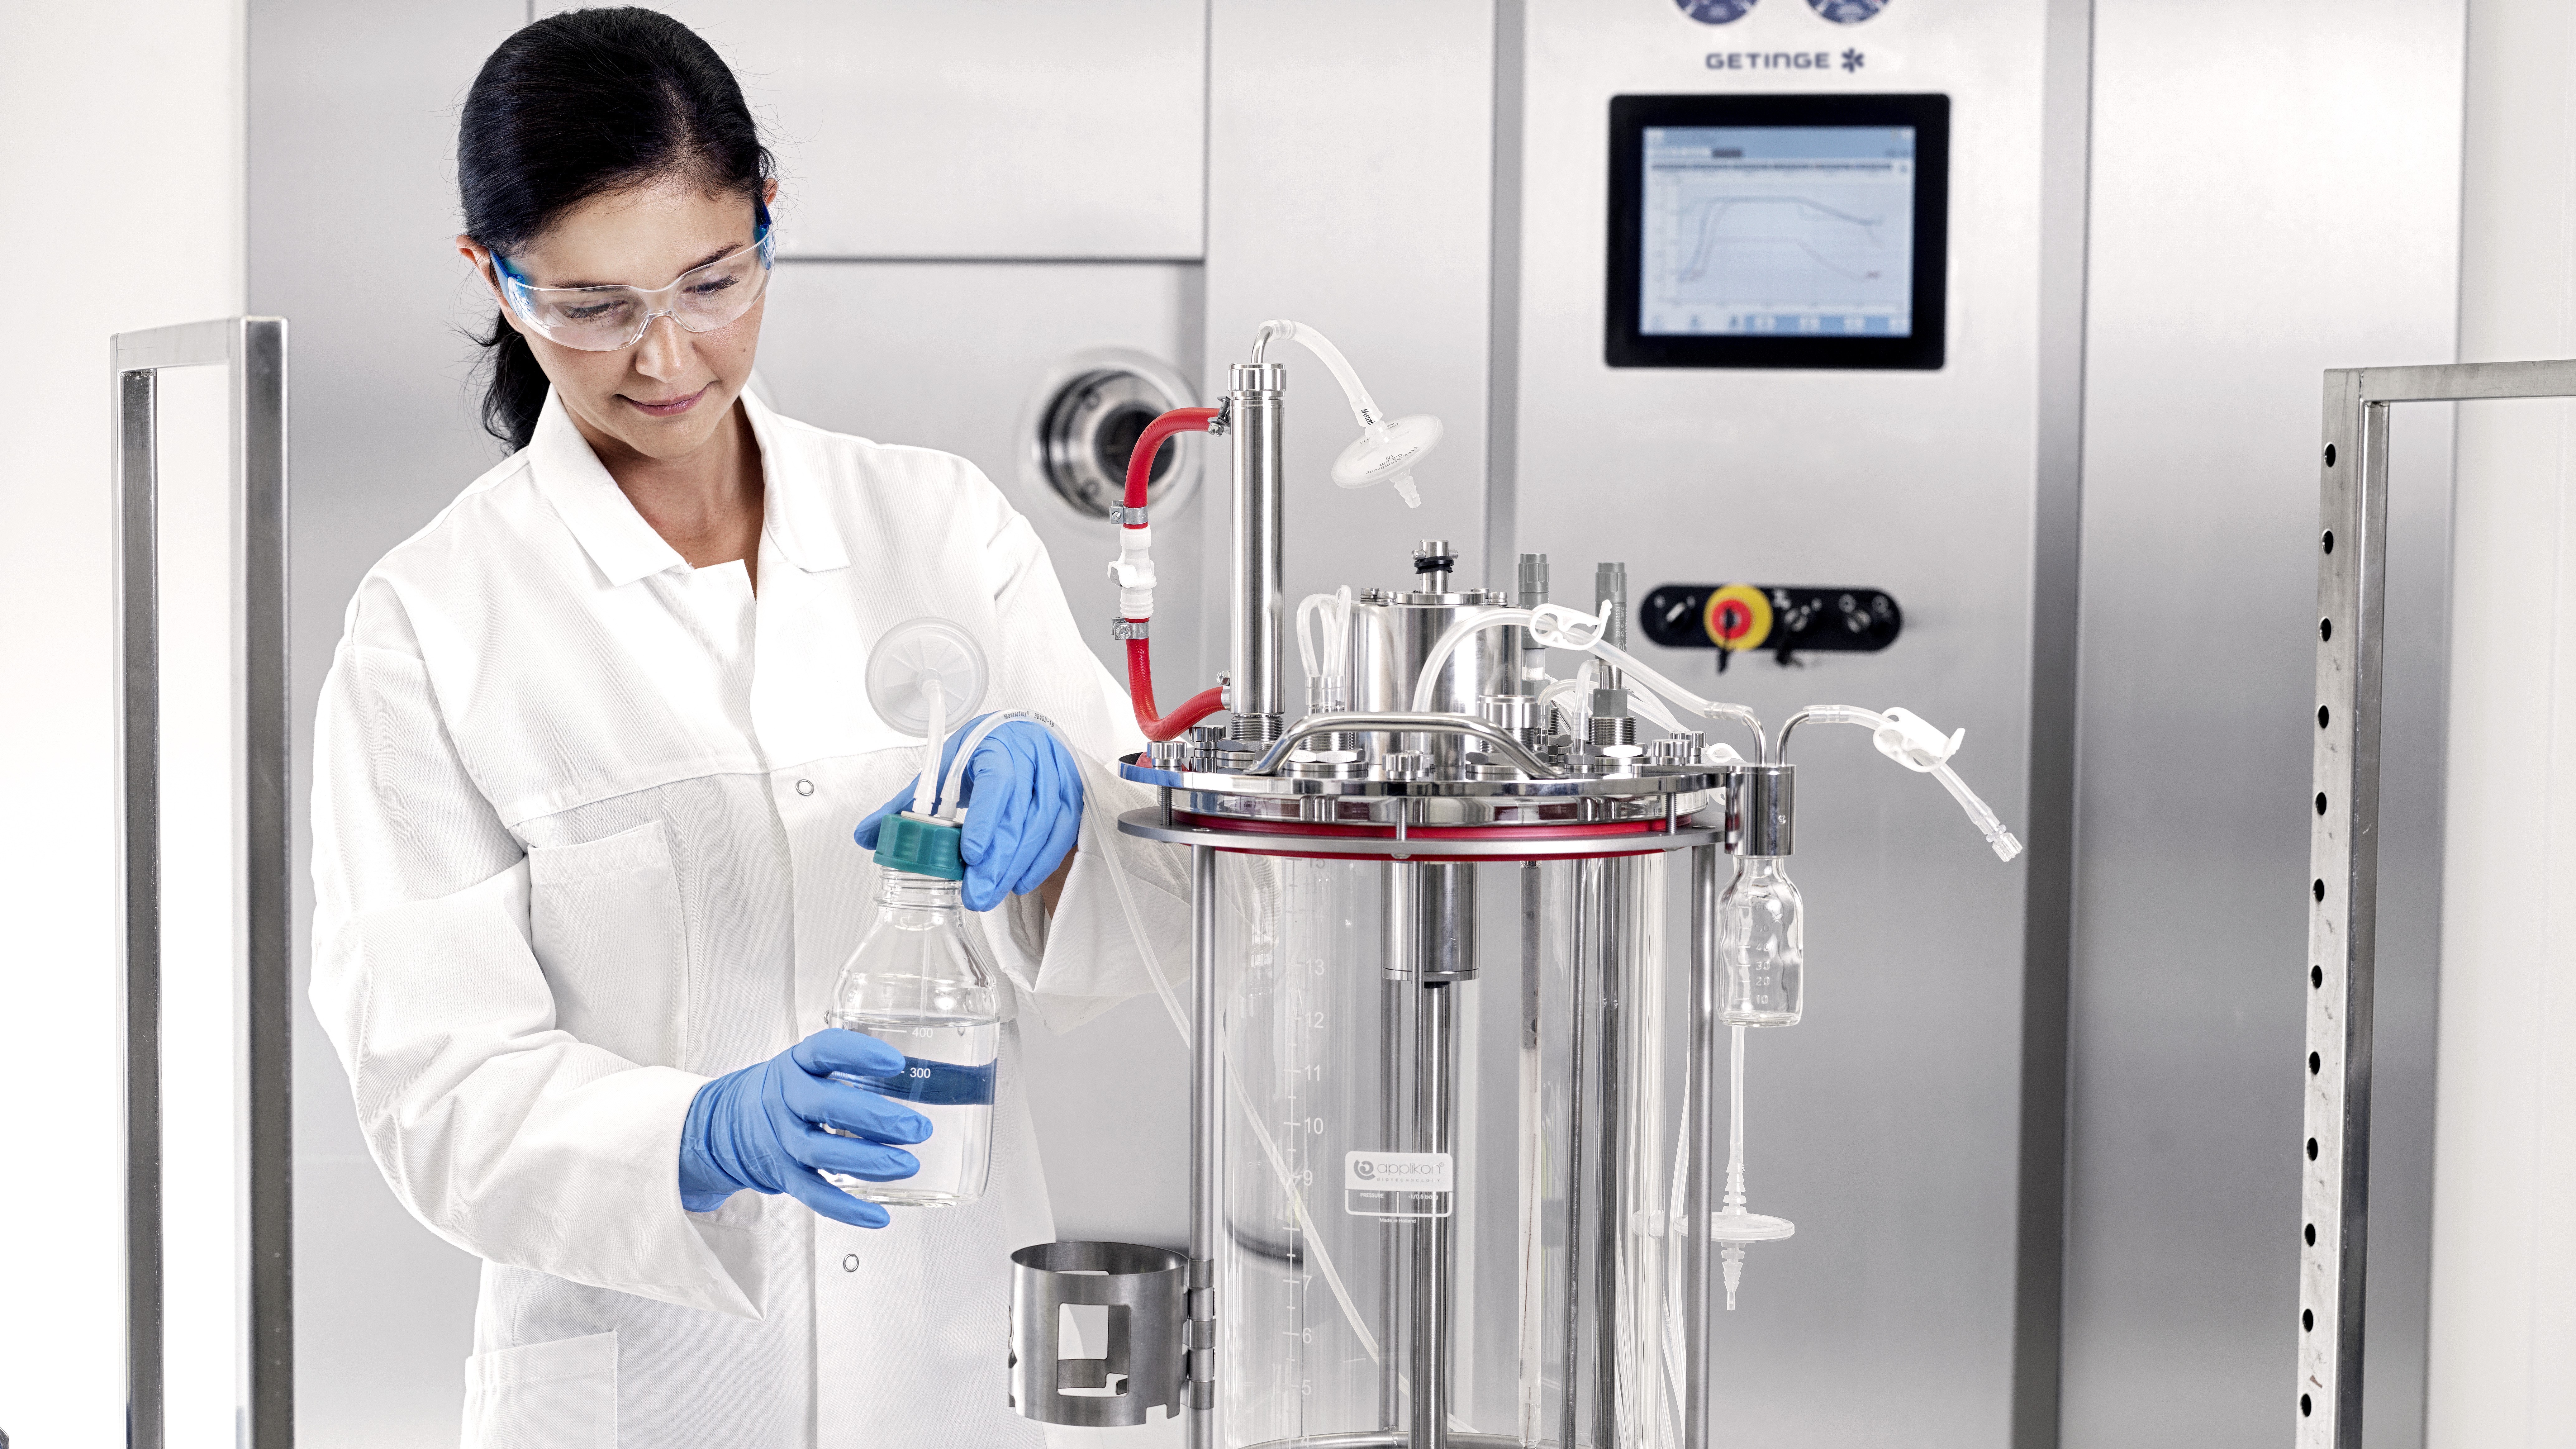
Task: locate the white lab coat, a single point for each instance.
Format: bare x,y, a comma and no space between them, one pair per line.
582,839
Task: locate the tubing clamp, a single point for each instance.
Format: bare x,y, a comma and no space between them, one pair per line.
1126,517
1130,628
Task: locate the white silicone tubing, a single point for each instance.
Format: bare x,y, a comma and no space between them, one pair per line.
925,790
1363,406
1324,660
983,727
1988,824
1636,669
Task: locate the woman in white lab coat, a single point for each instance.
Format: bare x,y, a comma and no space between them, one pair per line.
589,758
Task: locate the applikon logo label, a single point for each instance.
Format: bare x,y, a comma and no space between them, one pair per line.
1384,1172
1397,1184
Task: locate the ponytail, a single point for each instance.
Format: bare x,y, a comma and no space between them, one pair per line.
515,392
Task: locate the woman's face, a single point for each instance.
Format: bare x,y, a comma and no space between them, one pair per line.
663,396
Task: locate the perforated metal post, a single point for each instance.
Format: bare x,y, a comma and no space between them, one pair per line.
2343,888
2335,1198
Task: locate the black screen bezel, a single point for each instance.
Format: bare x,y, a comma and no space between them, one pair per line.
1627,345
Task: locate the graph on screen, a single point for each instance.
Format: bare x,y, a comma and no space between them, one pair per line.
1796,230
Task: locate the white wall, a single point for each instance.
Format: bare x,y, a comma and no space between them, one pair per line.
2503,1370
124,169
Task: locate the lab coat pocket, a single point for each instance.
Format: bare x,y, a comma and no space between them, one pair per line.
560,1395
608,931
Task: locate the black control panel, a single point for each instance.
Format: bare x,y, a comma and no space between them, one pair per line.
1785,619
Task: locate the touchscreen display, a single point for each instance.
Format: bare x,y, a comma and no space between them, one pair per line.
1777,231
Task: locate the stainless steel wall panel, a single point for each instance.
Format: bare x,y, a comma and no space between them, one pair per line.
352,204
946,355
1348,188
1887,1124
2057,545
2217,297
906,129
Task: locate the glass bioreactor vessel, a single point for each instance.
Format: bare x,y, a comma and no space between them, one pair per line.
1458,1175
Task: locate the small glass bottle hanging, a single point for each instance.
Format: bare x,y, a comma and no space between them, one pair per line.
922,982
1762,938
1762,944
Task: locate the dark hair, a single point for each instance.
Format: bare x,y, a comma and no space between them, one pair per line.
583,104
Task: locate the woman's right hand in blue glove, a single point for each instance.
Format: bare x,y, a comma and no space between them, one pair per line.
761,1129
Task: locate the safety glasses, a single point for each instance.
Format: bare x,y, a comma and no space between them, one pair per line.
604,319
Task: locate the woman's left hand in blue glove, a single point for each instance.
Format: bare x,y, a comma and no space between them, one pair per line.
1024,797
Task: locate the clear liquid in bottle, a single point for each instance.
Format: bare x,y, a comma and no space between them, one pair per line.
949,1071
920,982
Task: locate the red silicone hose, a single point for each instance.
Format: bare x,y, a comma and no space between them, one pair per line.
1140,693
1140,463
1140,664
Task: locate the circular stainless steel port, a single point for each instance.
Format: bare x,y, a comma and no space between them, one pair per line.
1083,422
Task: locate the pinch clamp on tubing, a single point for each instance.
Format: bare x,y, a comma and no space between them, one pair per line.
1134,571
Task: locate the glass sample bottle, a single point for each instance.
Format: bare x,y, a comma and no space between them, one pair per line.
1762,939
921,982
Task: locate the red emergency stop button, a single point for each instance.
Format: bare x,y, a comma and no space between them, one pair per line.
1737,616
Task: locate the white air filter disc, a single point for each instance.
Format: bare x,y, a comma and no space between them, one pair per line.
915,652
1748,1228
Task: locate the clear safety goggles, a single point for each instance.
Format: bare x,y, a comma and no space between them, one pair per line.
606,318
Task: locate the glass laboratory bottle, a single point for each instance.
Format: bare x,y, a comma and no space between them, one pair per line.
921,982
1762,939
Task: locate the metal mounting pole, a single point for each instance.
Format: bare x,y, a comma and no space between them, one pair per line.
1394,1117
1257,424
139,986
1615,876
1207,1152
1701,1109
1435,1071
1587,931
1533,1153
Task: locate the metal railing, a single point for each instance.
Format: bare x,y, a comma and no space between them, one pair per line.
254,349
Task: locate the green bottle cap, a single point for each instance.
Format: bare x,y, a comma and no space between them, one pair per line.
921,845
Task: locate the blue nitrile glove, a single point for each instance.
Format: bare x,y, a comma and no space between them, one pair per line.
761,1129
1026,794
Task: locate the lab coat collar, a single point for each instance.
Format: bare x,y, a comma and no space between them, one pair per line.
797,512
625,548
